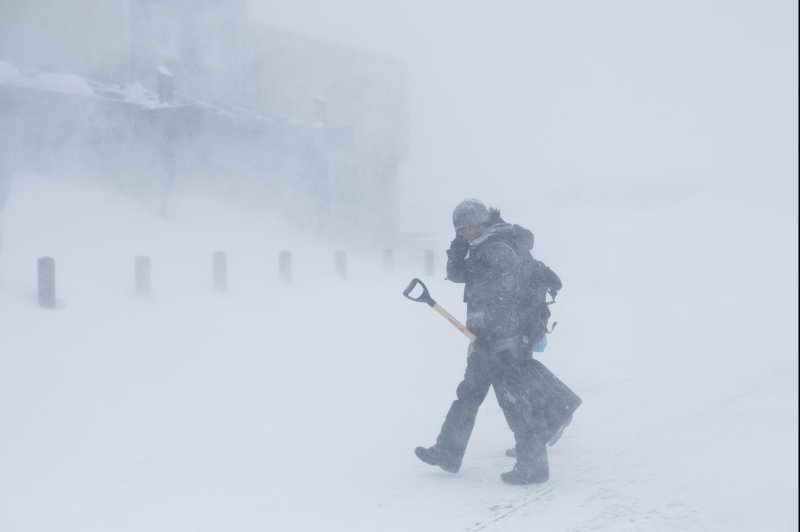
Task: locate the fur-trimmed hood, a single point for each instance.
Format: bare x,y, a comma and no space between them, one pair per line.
516,235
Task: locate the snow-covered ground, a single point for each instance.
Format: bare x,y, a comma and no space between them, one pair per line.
297,408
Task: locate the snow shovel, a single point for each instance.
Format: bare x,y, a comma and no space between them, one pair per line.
425,297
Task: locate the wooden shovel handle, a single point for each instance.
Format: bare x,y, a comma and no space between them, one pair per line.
457,324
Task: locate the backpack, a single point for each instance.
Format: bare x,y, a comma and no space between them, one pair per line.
536,281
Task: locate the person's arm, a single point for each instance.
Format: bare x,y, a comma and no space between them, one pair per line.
457,260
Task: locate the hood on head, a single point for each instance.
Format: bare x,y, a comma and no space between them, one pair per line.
502,230
516,235
524,237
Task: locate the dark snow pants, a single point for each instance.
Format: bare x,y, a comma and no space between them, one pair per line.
499,365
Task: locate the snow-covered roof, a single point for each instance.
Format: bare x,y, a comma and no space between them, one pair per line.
133,93
52,81
69,83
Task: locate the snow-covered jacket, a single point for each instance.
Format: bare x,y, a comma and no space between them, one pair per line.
491,272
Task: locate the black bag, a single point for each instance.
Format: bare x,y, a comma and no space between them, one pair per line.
536,281
548,395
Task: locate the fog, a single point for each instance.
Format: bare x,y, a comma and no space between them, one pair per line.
513,103
322,147
514,98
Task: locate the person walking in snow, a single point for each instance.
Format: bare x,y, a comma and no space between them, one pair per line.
485,256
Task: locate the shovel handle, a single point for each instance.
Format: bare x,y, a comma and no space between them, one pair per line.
457,324
425,297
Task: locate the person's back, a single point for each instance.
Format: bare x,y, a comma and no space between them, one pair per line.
536,281
492,273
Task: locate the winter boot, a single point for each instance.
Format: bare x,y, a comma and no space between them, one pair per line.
531,467
519,476
434,456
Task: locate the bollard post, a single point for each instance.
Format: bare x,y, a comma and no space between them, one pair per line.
46,270
429,262
285,265
388,260
142,276
220,271
340,259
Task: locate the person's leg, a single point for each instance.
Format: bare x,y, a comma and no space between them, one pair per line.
527,423
460,420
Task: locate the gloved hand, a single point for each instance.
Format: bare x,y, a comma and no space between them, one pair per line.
459,248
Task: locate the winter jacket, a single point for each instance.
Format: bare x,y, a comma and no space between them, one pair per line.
491,272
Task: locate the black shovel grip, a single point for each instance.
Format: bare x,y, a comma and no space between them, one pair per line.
425,297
